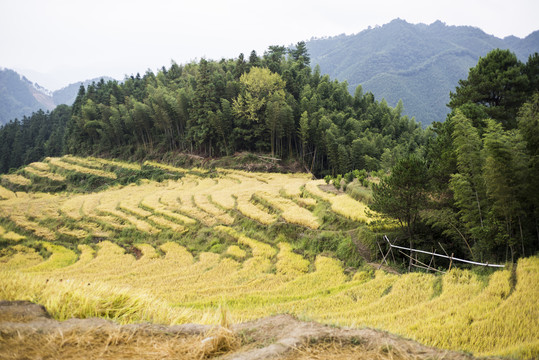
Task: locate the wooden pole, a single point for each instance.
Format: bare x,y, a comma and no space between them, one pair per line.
383,256
445,252
422,267
432,257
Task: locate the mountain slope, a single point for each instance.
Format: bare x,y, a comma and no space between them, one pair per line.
20,97
419,64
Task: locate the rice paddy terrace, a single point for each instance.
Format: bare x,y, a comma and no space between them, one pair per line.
89,237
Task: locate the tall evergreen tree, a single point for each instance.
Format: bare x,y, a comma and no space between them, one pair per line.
498,83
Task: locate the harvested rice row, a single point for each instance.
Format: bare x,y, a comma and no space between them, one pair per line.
58,162
16,179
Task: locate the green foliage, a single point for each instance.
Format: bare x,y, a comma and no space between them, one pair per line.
359,192
498,83
33,138
337,182
468,184
403,194
483,170
332,243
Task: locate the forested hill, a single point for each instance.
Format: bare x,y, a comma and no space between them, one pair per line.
273,103
419,64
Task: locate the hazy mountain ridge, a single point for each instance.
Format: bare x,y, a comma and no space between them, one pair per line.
21,97
419,64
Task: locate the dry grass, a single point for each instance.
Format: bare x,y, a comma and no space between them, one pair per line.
16,179
165,167
12,236
44,174
38,165
107,342
465,314
236,251
69,166
6,194
290,211
335,349
341,204
122,164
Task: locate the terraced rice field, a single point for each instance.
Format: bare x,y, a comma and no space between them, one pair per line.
129,253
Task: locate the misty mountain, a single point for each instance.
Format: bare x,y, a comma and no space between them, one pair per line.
419,64
20,97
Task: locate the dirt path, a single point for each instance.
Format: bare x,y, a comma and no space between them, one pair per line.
27,331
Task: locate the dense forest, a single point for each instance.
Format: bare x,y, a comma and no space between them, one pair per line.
477,186
273,103
470,182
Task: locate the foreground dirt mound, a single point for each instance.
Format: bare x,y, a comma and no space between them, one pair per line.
28,332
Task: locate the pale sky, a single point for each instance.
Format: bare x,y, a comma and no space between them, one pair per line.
58,42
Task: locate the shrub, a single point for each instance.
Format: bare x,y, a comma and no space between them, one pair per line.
337,182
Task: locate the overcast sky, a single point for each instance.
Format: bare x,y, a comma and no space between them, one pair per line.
57,42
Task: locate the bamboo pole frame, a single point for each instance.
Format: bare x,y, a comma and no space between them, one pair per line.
451,258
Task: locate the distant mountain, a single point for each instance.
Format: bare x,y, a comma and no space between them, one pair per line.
20,97
419,64
68,94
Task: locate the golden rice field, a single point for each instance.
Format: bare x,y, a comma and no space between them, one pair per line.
71,252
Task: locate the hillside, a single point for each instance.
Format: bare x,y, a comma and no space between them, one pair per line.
419,64
20,97
170,245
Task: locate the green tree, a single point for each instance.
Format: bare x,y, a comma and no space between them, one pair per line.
468,184
203,105
303,132
277,115
528,125
259,85
505,173
301,55
274,58
91,119
498,83
403,194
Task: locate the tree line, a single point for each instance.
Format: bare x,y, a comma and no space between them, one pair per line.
274,103
477,187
